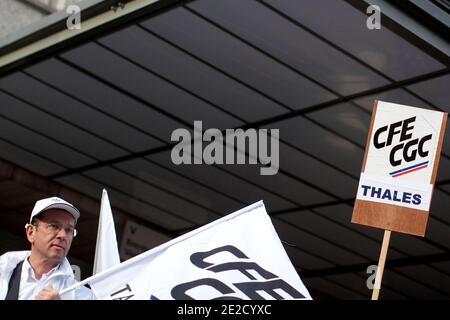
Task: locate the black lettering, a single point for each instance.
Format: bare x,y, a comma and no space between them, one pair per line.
124,297
375,192
394,162
376,137
423,153
387,195
250,289
393,132
365,189
417,199
243,267
396,198
412,156
406,197
405,128
179,291
127,287
198,258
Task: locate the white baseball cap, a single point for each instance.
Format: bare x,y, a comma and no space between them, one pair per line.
54,203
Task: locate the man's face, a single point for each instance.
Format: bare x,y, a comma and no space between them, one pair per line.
53,234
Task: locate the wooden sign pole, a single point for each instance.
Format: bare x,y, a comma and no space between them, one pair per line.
380,268
394,192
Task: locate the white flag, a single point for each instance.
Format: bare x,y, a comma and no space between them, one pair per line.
236,257
106,251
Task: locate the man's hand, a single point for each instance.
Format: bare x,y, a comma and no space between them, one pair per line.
48,293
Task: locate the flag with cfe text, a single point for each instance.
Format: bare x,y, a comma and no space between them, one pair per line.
236,257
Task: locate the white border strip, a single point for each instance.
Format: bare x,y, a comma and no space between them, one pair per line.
67,34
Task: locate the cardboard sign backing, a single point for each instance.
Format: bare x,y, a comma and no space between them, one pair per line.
399,168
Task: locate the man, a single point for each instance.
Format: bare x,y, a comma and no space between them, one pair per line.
44,271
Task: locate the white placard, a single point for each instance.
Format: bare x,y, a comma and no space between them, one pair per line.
372,188
401,155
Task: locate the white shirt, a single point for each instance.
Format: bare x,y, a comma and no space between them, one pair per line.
60,277
30,286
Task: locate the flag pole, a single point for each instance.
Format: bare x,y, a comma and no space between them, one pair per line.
381,262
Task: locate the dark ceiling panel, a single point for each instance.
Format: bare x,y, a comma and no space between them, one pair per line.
313,222
229,54
438,232
428,275
403,244
153,195
440,205
156,174
333,289
445,266
15,154
291,44
190,73
292,189
40,145
444,168
414,289
50,122
350,121
355,282
111,103
413,246
302,165
148,87
436,91
321,143
303,238
219,179
399,96
303,260
343,25
126,203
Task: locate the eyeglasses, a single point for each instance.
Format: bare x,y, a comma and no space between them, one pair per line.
55,228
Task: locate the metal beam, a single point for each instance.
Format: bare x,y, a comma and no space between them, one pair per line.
50,5
57,35
432,41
